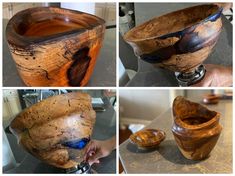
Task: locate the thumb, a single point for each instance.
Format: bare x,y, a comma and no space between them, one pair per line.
94,158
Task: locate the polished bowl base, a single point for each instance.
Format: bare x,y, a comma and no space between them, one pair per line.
188,79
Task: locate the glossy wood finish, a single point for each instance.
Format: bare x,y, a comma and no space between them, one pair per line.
53,46
196,129
148,138
57,129
211,99
179,41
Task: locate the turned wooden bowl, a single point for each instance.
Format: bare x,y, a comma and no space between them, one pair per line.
179,41
211,99
196,129
57,129
148,138
54,46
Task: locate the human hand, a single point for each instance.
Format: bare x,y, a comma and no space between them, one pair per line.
216,76
225,6
99,149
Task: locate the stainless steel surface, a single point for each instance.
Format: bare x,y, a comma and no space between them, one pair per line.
167,157
188,79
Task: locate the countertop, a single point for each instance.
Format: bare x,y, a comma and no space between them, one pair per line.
105,127
167,157
104,74
147,75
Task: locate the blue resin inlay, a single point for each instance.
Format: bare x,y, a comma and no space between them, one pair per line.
215,16
77,144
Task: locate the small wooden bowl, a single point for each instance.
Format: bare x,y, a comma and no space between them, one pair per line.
54,46
211,99
148,138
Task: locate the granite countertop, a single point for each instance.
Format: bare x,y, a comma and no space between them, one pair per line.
147,75
103,75
167,157
105,127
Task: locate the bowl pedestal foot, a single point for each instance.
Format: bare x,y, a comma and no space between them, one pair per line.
82,168
188,79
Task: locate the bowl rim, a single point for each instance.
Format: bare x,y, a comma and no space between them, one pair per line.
176,33
22,41
184,125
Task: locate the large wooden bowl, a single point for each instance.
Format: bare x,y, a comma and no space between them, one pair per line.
57,129
196,129
54,46
179,41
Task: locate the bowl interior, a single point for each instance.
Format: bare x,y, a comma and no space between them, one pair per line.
171,22
46,21
148,137
198,117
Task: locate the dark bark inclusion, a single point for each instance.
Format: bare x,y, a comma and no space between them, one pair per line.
79,67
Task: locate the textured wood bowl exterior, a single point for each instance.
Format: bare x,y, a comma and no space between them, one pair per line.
54,46
179,41
148,138
196,129
57,129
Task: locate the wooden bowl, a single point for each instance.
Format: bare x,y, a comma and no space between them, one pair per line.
179,41
54,46
148,138
57,129
196,129
211,99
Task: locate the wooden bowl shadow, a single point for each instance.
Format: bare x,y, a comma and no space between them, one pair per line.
134,149
170,152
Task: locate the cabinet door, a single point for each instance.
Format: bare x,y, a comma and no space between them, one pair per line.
10,9
11,106
107,11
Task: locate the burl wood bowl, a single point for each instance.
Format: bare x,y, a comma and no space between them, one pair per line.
57,129
179,41
54,46
148,138
196,129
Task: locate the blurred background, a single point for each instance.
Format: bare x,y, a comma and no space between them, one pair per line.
107,11
138,108
17,160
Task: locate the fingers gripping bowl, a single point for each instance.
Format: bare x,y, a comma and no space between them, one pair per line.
56,130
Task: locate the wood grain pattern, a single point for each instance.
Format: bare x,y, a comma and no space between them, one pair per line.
45,43
148,138
196,129
179,41
48,129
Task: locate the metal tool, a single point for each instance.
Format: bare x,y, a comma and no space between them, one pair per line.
188,79
82,168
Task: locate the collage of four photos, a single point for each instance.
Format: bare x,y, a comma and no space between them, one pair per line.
117,87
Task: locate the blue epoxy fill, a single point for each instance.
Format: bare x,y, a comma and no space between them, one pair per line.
77,144
215,16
